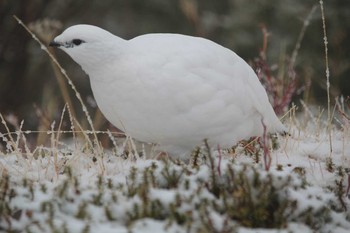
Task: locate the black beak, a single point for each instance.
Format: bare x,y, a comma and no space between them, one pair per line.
54,44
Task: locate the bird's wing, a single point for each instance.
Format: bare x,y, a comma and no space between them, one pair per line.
201,70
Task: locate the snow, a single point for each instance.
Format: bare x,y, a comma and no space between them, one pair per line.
292,227
146,195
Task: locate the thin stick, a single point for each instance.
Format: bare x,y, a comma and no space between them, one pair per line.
306,23
219,162
120,134
43,47
327,77
267,154
12,141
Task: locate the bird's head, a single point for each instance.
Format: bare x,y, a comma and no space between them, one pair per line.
87,44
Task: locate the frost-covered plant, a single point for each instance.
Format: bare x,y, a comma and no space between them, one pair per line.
214,196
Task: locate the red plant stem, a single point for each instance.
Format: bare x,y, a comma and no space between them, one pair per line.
265,40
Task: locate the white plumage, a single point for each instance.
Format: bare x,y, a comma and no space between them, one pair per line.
170,89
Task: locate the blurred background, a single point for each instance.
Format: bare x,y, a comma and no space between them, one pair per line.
30,90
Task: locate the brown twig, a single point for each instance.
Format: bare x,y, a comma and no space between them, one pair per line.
267,155
54,60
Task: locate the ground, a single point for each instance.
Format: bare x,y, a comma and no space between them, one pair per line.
72,186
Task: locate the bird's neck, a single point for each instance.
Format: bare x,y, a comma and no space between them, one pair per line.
103,61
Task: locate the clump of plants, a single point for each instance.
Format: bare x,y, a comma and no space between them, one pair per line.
212,195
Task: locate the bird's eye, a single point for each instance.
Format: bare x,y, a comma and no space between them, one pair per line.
77,41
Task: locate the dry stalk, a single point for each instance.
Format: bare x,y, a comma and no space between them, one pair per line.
54,60
267,154
306,23
325,40
12,141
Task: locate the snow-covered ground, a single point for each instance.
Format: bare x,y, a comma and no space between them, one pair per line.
71,189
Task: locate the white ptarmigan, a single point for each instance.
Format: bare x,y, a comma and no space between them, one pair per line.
170,89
